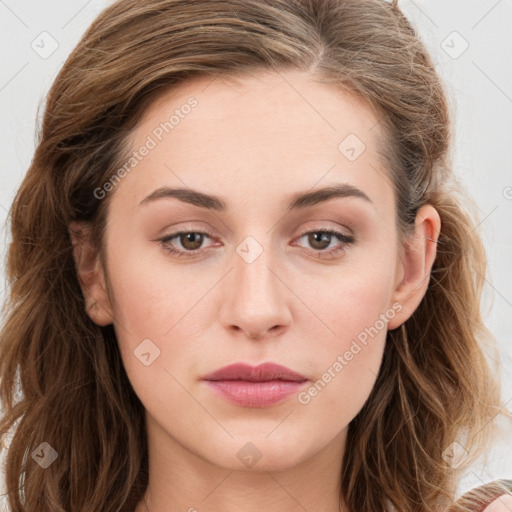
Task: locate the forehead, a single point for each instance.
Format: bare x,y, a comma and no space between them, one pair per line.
267,101
270,133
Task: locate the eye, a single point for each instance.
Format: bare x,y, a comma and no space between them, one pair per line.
190,242
321,239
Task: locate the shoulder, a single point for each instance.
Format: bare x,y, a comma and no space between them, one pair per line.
495,496
501,504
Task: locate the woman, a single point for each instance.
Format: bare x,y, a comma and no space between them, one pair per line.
241,274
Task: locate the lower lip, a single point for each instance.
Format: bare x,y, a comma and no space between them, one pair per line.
255,394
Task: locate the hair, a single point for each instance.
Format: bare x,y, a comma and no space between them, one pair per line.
62,377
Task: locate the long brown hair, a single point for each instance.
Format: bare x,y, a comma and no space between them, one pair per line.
62,378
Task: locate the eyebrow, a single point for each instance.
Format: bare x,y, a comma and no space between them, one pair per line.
297,201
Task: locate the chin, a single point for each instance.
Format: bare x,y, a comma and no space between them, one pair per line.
259,455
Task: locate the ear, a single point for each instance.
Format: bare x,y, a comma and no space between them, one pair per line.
415,264
90,274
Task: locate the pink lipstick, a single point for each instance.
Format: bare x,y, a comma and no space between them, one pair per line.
255,386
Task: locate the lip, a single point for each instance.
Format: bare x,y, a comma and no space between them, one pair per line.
261,373
255,386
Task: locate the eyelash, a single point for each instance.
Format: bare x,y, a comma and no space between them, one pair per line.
346,239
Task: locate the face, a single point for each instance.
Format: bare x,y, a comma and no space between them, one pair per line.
246,275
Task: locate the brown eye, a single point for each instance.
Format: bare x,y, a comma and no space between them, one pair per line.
191,241
319,242
185,243
319,239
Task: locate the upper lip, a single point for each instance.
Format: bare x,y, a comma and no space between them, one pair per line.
261,373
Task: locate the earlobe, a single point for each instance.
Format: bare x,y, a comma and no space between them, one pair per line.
416,263
90,274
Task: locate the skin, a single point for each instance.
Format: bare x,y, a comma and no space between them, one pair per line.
254,143
501,504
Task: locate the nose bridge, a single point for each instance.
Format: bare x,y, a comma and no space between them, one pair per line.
256,300
252,275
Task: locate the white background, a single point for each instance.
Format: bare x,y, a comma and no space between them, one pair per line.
478,83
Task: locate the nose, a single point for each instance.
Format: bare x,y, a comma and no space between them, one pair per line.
256,299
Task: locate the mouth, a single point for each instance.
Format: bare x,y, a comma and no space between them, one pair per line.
260,386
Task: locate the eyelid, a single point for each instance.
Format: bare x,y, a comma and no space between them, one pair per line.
325,225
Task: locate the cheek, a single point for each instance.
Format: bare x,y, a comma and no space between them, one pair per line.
347,361
151,296
355,308
156,329
153,311
350,301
